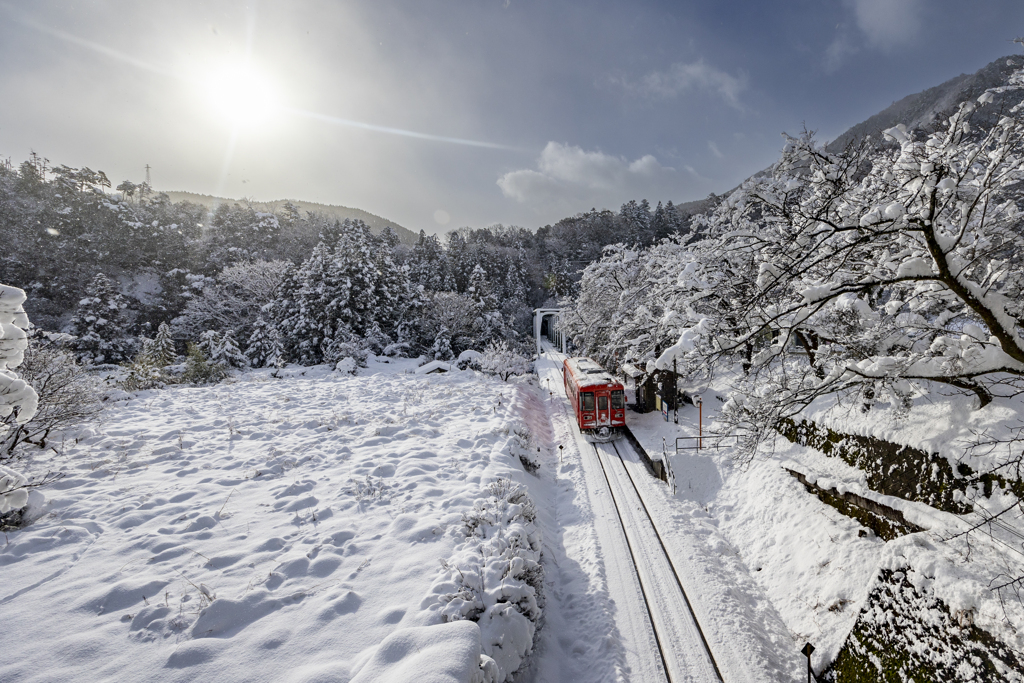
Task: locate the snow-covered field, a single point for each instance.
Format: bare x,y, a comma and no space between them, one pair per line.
314,526
274,529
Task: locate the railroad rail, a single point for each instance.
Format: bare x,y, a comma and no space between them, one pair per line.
668,607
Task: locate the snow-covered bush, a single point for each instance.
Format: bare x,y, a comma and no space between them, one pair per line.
495,578
143,373
67,394
347,366
13,498
148,370
501,360
18,400
524,447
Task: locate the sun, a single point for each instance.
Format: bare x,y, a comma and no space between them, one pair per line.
242,96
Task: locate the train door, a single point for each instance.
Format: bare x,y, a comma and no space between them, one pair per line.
602,410
586,409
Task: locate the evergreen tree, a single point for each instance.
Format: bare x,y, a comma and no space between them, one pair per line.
221,349
428,265
99,324
228,353
659,227
349,288
442,348
636,219
264,348
160,351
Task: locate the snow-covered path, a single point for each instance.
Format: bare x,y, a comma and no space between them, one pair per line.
651,560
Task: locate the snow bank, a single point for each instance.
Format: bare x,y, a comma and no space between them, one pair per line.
443,653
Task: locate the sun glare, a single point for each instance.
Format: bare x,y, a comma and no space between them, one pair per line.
242,97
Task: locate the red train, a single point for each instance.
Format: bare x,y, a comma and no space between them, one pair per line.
598,400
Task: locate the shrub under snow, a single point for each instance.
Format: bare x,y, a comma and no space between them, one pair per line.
18,400
494,578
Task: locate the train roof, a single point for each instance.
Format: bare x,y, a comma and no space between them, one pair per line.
589,372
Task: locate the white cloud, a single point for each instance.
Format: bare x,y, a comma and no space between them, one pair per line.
714,149
887,23
838,51
680,78
571,179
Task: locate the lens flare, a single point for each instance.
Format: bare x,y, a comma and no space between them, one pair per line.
242,97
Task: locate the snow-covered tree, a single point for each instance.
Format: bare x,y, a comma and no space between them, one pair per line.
99,323
874,273
264,348
161,349
18,400
347,289
442,347
909,272
199,369
233,300
502,360
221,349
428,266
636,220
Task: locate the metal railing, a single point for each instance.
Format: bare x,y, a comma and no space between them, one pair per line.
716,441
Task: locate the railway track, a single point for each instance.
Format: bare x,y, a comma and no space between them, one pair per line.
682,646
662,637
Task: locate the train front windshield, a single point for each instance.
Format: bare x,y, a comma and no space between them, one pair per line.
588,400
617,402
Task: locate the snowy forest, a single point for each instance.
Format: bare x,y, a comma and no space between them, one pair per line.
114,266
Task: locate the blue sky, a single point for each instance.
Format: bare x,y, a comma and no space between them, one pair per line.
438,114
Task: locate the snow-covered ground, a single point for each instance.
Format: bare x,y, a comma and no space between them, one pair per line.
261,529
298,528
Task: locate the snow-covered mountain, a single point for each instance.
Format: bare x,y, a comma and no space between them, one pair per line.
376,223
922,109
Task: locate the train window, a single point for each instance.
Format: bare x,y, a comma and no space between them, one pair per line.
602,403
617,400
588,400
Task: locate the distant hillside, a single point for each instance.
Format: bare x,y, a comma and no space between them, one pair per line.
376,223
930,106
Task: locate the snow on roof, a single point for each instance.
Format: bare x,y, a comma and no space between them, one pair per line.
590,372
433,366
